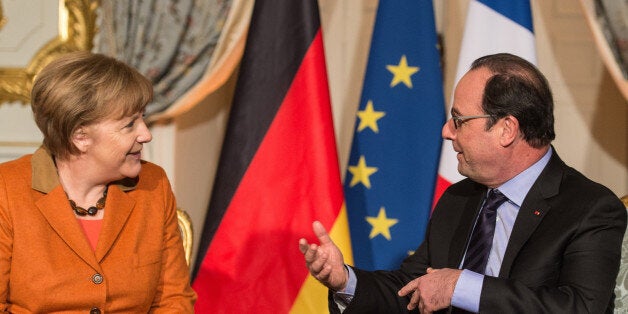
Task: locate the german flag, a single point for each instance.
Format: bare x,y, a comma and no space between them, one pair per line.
278,172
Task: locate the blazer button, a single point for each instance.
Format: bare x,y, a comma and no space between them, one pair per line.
97,278
94,311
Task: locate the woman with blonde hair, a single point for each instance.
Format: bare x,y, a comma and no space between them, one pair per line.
85,224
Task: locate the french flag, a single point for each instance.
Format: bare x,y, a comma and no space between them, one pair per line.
492,26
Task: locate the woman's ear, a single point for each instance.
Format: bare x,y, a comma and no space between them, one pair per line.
509,130
81,139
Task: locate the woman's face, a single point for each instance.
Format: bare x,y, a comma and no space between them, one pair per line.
115,146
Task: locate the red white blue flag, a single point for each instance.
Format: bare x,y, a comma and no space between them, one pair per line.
492,26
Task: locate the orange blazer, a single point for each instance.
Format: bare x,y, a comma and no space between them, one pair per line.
47,264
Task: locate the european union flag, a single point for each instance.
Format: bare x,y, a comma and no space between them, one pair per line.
395,151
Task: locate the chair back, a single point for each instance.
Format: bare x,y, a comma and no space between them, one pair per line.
621,284
187,233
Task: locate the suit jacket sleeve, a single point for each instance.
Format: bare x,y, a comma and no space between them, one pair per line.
376,292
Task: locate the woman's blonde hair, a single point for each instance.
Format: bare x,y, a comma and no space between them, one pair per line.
82,88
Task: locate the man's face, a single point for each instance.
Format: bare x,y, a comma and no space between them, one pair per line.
478,149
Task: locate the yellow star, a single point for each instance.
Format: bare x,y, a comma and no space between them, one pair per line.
361,173
402,72
381,224
368,117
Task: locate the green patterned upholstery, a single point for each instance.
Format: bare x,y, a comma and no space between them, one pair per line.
621,287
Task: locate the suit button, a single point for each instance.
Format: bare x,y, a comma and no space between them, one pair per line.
97,279
94,311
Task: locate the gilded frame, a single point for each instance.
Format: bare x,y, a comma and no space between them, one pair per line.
187,233
76,33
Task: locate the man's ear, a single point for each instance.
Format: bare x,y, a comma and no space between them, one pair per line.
81,139
509,130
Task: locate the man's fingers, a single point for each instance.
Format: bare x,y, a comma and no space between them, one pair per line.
324,274
303,245
318,262
411,286
311,253
321,233
414,301
423,308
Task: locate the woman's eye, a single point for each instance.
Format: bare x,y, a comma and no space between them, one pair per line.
130,125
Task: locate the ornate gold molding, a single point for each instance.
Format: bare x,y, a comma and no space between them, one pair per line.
3,20
77,20
187,233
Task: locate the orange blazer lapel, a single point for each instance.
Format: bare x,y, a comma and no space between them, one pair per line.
118,208
55,207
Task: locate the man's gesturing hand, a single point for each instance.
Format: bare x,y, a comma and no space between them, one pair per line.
324,261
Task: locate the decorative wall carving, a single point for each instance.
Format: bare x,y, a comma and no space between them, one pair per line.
3,20
77,27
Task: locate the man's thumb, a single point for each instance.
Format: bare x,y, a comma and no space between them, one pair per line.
321,233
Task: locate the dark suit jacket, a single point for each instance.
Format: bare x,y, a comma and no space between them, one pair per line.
562,257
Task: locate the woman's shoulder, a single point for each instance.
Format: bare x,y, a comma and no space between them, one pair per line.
150,174
149,177
151,169
16,164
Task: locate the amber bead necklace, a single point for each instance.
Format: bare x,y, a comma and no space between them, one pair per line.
92,210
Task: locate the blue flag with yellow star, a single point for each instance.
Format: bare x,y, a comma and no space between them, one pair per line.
395,151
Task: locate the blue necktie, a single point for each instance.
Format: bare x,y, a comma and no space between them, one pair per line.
482,237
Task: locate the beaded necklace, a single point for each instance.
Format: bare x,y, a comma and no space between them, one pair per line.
92,210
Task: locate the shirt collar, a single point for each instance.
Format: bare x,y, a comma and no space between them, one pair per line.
517,188
45,177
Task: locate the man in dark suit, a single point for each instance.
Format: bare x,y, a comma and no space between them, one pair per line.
554,240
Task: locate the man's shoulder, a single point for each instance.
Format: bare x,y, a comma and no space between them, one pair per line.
564,186
571,178
460,193
577,185
465,187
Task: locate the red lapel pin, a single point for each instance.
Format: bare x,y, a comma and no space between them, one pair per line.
537,213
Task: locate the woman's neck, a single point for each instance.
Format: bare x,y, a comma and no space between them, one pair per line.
78,183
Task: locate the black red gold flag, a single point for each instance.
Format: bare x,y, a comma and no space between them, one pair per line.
277,173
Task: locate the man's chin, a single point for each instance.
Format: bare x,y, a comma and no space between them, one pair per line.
462,170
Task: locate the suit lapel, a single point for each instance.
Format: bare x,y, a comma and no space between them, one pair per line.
463,231
532,211
118,208
55,208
